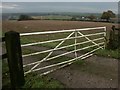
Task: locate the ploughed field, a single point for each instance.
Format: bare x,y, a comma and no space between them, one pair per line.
45,25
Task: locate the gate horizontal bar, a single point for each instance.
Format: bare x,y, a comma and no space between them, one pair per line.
68,53
25,45
50,71
59,48
45,73
74,59
64,54
60,31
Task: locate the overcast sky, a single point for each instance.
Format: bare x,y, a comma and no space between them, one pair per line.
60,0
82,7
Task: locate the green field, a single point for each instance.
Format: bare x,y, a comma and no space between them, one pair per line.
52,17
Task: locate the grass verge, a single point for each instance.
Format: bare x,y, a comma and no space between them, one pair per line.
32,80
109,53
36,81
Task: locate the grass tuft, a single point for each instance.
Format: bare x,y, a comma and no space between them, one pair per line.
108,53
36,81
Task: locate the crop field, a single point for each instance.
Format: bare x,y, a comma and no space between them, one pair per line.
51,17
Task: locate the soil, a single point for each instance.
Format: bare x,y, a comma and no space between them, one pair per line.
45,25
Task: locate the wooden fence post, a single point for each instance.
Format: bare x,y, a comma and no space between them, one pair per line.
14,54
111,44
119,37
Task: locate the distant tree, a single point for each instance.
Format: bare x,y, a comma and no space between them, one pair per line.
24,17
92,17
107,15
73,19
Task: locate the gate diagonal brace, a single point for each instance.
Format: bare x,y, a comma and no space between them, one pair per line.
51,51
66,62
89,39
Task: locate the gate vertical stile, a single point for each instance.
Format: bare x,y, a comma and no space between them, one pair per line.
105,38
75,43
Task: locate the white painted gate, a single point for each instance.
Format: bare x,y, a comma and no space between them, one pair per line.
77,35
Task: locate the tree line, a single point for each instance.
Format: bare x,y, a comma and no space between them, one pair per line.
107,15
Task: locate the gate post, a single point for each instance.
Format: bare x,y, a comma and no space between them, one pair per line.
111,38
14,54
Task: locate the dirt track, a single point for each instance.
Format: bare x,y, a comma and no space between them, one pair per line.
96,72
90,75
